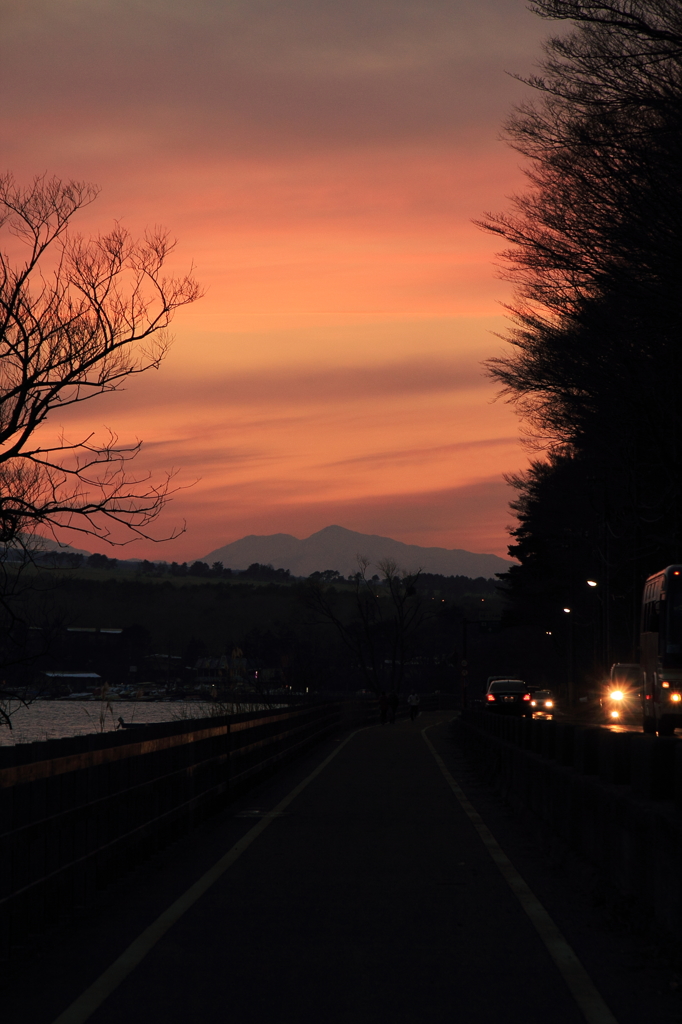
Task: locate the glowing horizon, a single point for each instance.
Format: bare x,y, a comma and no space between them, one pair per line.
321,168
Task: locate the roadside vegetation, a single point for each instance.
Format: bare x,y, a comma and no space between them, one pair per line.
595,363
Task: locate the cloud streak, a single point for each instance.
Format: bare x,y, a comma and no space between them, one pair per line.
409,455
310,386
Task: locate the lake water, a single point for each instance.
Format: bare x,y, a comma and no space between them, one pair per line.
54,719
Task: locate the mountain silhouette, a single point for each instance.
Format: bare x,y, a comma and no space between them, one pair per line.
337,548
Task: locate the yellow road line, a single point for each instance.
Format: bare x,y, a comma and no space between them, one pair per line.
580,984
94,996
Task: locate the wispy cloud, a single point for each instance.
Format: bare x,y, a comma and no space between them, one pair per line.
406,455
305,385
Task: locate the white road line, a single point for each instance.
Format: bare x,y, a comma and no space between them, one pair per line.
94,996
580,984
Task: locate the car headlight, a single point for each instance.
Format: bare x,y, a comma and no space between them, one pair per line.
616,695
549,703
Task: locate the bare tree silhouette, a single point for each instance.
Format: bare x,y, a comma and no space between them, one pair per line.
77,318
389,612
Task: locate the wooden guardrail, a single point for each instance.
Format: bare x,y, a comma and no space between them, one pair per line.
76,813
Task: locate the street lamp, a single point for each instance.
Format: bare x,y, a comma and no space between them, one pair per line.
601,624
570,659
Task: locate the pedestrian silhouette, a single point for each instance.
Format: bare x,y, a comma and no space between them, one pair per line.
413,701
393,702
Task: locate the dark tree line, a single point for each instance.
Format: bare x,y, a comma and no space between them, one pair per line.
596,364
306,634
202,569
256,571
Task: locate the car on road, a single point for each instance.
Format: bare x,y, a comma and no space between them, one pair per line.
508,697
543,700
492,679
622,700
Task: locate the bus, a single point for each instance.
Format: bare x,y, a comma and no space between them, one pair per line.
661,652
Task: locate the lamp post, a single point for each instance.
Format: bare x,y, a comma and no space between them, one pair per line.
604,645
596,626
570,658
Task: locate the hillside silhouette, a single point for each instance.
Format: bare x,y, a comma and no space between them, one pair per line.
334,547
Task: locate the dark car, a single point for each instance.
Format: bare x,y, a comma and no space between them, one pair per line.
543,700
508,697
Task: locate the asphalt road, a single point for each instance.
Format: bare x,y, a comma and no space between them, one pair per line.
370,898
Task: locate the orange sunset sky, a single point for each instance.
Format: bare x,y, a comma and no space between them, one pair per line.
320,163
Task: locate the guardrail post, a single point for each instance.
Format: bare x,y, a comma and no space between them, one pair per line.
535,735
641,765
677,780
586,750
548,739
564,746
614,756
526,733
653,766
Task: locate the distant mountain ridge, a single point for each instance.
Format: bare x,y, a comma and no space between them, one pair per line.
334,547
37,542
